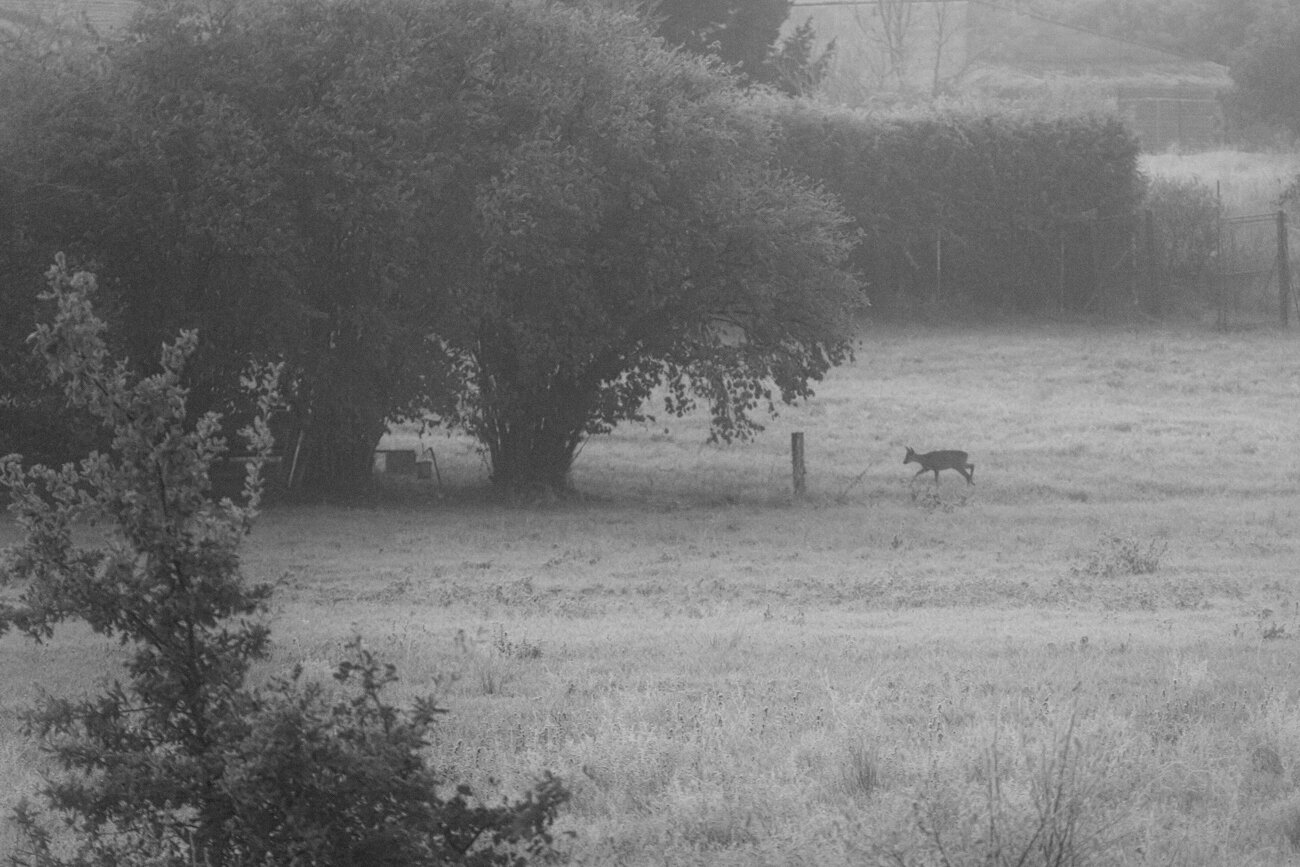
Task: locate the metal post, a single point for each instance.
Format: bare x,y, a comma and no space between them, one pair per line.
938,263
1060,272
1218,258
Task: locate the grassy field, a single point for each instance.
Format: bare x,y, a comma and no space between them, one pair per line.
1096,641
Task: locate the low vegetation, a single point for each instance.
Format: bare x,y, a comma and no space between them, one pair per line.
725,675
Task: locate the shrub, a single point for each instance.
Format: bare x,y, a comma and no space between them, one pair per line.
184,764
992,212
1056,817
1122,555
1186,215
323,780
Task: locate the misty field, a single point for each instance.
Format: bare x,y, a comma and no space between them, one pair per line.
1096,642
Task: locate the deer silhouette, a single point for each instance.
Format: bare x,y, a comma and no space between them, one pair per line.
948,459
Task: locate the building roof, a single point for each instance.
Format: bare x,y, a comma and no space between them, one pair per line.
1002,37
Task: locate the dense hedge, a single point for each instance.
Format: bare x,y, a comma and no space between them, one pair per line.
998,213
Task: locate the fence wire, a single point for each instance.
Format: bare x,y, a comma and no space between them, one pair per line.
1249,292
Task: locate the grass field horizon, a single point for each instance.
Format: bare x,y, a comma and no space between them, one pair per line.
882,671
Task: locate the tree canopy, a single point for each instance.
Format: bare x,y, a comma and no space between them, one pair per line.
746,36
524,218
626,229
244,172
741,33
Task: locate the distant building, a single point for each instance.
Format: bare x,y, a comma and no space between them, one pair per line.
1172,116
973,51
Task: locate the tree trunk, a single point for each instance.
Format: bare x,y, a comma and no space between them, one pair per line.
336,459
533,441
532,425
531,458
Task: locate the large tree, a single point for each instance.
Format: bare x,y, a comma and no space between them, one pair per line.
242,171
33,420
624,229
742,33
525,217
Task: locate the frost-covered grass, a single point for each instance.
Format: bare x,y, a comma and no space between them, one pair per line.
1098,637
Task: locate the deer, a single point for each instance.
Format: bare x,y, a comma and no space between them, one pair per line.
948,459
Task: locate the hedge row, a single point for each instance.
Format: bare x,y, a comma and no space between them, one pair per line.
999,213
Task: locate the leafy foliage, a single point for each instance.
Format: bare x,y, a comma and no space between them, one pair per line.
255,157
31,419
624,228
745,36
797,68
741,33
341,780
184,764
1117,555
994,199
521,216
166,581
1186,214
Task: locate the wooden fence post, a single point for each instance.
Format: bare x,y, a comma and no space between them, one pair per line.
797,464
1283,270
1155,288
1219,267
938,263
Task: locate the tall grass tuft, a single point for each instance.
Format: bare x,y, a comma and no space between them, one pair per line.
1122,555
1052,815
1186,215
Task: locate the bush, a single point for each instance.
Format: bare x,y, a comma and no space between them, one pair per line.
339,780
1122,555
1186,215
995,213
1045,810
184,764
